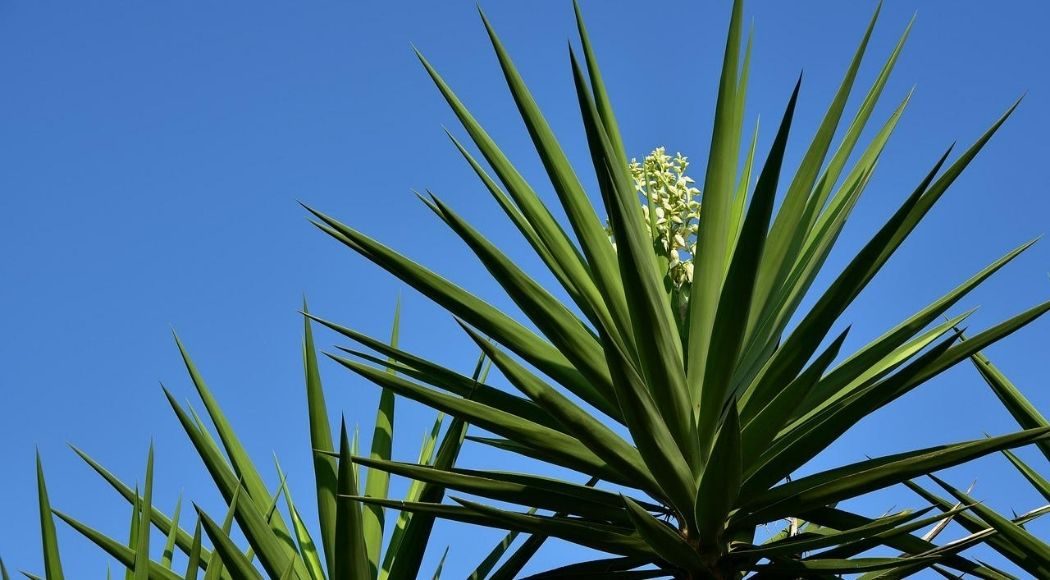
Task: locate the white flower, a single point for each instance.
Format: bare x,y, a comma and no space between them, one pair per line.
665,193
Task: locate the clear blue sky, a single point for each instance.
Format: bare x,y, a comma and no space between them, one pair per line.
152,154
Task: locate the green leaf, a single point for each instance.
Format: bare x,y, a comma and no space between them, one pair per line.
52,560
527,491
910,544
495,554
1036,552
250,517
809,568
790,226
713,237
619,567
803,543
558,244
881,354
351,557
781,306
601,96
601,440
426,456
660,362
761,427
610,306
1022,410
307,547
474,311
441,377
193,562
123,554
554,320
793,450
183,539
1038,481
595,535
979,530
142,561
719,483
235,562
852,480
730,321
666,452
377,483
416,537
571,452
525,228
520,557
169,541
325,477
807,336
279,545
663,539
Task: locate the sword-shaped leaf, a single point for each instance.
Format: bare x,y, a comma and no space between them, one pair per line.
193,560
441,377
573,453
495,554
761,427
718,190
611,305
169,541
183,539
817,568
235,562
476,312
1036,558
791,226
669,455
731,316
559,246
601,440
1039,482
123,554
554,320
426,457
245,469
413,543
325,474
251,519
663,539
307,547
1022,410
619,567
377,484
52,557
793,450
850,481
351,556
494,487
660,361
719,483
142,511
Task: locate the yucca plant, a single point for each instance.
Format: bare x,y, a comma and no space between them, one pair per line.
353,544
693,403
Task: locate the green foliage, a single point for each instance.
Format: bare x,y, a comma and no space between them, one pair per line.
672,381
721,398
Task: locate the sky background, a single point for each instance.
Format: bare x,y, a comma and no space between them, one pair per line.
153,153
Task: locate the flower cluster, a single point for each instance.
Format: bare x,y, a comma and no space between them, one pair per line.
671,210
